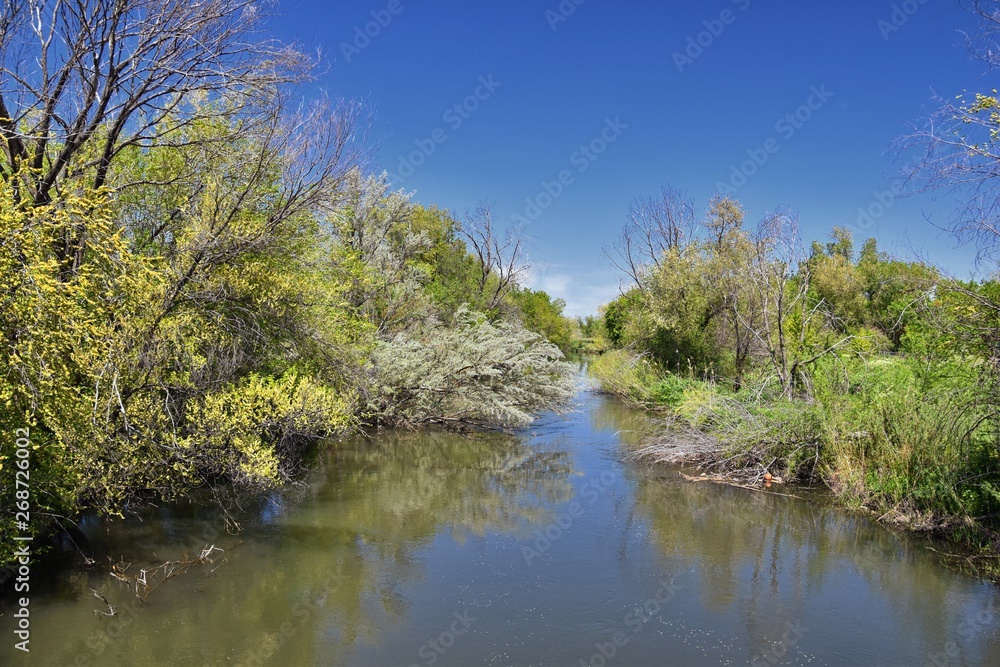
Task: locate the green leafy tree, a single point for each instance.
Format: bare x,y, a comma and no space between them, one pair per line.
542,314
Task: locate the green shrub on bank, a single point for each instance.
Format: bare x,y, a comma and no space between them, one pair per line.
892,434
921,452
626,376
642,382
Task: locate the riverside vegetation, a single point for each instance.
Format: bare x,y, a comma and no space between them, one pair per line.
875,375
199,276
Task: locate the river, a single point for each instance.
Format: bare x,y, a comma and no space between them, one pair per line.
540,547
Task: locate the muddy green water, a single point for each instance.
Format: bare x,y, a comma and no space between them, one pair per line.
538,548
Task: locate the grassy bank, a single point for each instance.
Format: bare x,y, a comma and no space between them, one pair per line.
901,438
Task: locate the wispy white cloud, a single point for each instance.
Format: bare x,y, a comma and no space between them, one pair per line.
584,291
556,283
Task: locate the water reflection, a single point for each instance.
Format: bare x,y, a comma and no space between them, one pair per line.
470,484
311,575
773,561
630,426
396,532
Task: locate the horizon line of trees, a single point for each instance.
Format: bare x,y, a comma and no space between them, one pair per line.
719,298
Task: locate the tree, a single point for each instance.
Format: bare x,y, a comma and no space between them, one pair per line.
725,217
451,271
501,255
738,300
957,149
201,336
194,272
542,314
85,80
835,279
378,240
472,372
677,319
654,226
893,290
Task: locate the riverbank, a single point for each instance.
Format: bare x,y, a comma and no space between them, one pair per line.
906,449
543,541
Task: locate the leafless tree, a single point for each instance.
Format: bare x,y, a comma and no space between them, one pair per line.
779,280
956,150
501,255
654,226
984,42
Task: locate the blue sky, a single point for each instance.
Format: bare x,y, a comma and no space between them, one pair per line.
536,84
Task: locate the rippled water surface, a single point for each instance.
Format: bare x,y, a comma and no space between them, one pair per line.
535,548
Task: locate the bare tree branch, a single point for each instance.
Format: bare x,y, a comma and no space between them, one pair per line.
956,149
501,255
82,80
653,227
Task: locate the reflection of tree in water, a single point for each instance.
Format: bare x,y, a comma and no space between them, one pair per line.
766,558
423,482
386,497
610,414
371,506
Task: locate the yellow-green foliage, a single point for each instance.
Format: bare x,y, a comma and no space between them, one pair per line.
625,375
145,369
196,303
639,381
208,328
240,428
699,405
876,375
57,331
541,313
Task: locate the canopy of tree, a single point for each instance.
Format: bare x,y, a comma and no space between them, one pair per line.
199,276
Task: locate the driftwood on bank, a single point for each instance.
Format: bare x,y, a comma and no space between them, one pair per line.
680,447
